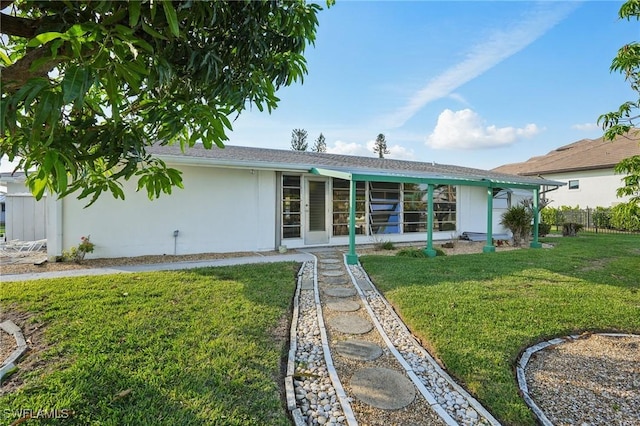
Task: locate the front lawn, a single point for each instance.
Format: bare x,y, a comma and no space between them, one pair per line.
195,347
477,312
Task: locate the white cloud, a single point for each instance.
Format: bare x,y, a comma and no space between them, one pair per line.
485,55
350,148
586,127
396,152
465,129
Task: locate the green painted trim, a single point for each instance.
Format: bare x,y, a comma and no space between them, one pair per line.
352,259
352,224
429,248
395,178
535,243
489,247
331,173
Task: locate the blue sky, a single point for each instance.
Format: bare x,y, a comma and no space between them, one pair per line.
476,84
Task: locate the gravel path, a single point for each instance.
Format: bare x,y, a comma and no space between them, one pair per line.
587,380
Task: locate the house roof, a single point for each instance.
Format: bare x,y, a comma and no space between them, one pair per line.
585,154
346,166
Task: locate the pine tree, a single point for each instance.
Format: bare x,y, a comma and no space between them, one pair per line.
380,146
299,140
320,145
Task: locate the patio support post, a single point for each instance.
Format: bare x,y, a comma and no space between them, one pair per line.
352,257
489,247
535,243
429,251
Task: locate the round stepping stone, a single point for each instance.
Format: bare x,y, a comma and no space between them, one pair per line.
340,305
382,388
359,350
330,266
334,280
332,273
350,324
340,291
330,260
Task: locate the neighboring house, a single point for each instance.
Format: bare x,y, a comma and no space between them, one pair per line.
25,218
587,168
252,199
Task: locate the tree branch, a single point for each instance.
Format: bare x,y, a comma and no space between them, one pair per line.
16,75
16,26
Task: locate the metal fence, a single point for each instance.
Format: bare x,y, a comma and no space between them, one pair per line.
593,220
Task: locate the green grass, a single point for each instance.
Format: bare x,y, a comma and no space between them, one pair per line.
478,312
194,347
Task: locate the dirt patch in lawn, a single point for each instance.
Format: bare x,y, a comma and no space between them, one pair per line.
33,332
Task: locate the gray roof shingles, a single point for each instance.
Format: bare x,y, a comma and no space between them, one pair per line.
303,160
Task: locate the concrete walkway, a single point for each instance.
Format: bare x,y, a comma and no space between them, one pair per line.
175,266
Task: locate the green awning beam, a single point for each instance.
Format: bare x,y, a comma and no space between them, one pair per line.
489,247
429,251
352,257
535,243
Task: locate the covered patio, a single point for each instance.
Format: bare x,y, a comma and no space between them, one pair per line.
432,180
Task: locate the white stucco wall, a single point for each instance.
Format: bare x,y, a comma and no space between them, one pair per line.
219,210
472,204
597,189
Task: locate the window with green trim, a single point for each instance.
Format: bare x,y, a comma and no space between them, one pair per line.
444,208
340,202
291,206
385,208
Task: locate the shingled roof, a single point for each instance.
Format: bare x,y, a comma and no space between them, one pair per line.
289,160
585,154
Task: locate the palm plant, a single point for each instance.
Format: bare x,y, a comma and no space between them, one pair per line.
518,220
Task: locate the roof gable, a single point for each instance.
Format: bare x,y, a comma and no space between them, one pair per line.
585,154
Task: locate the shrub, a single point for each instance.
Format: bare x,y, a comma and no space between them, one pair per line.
76,254
626,217
385,245
570,229
602,217
416,252
518,220
543,229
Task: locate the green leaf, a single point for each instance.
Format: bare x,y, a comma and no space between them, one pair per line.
5,58
74,84
43,38
172,18
134,12
61,177
149,30
76,30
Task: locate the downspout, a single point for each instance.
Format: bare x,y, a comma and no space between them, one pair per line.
429,251
352,257
489,247
535,243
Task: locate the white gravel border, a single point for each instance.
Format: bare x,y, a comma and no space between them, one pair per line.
448,399
524,360
307,327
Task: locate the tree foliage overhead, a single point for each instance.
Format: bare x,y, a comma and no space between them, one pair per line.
299,140
380,146
87,86
625,119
